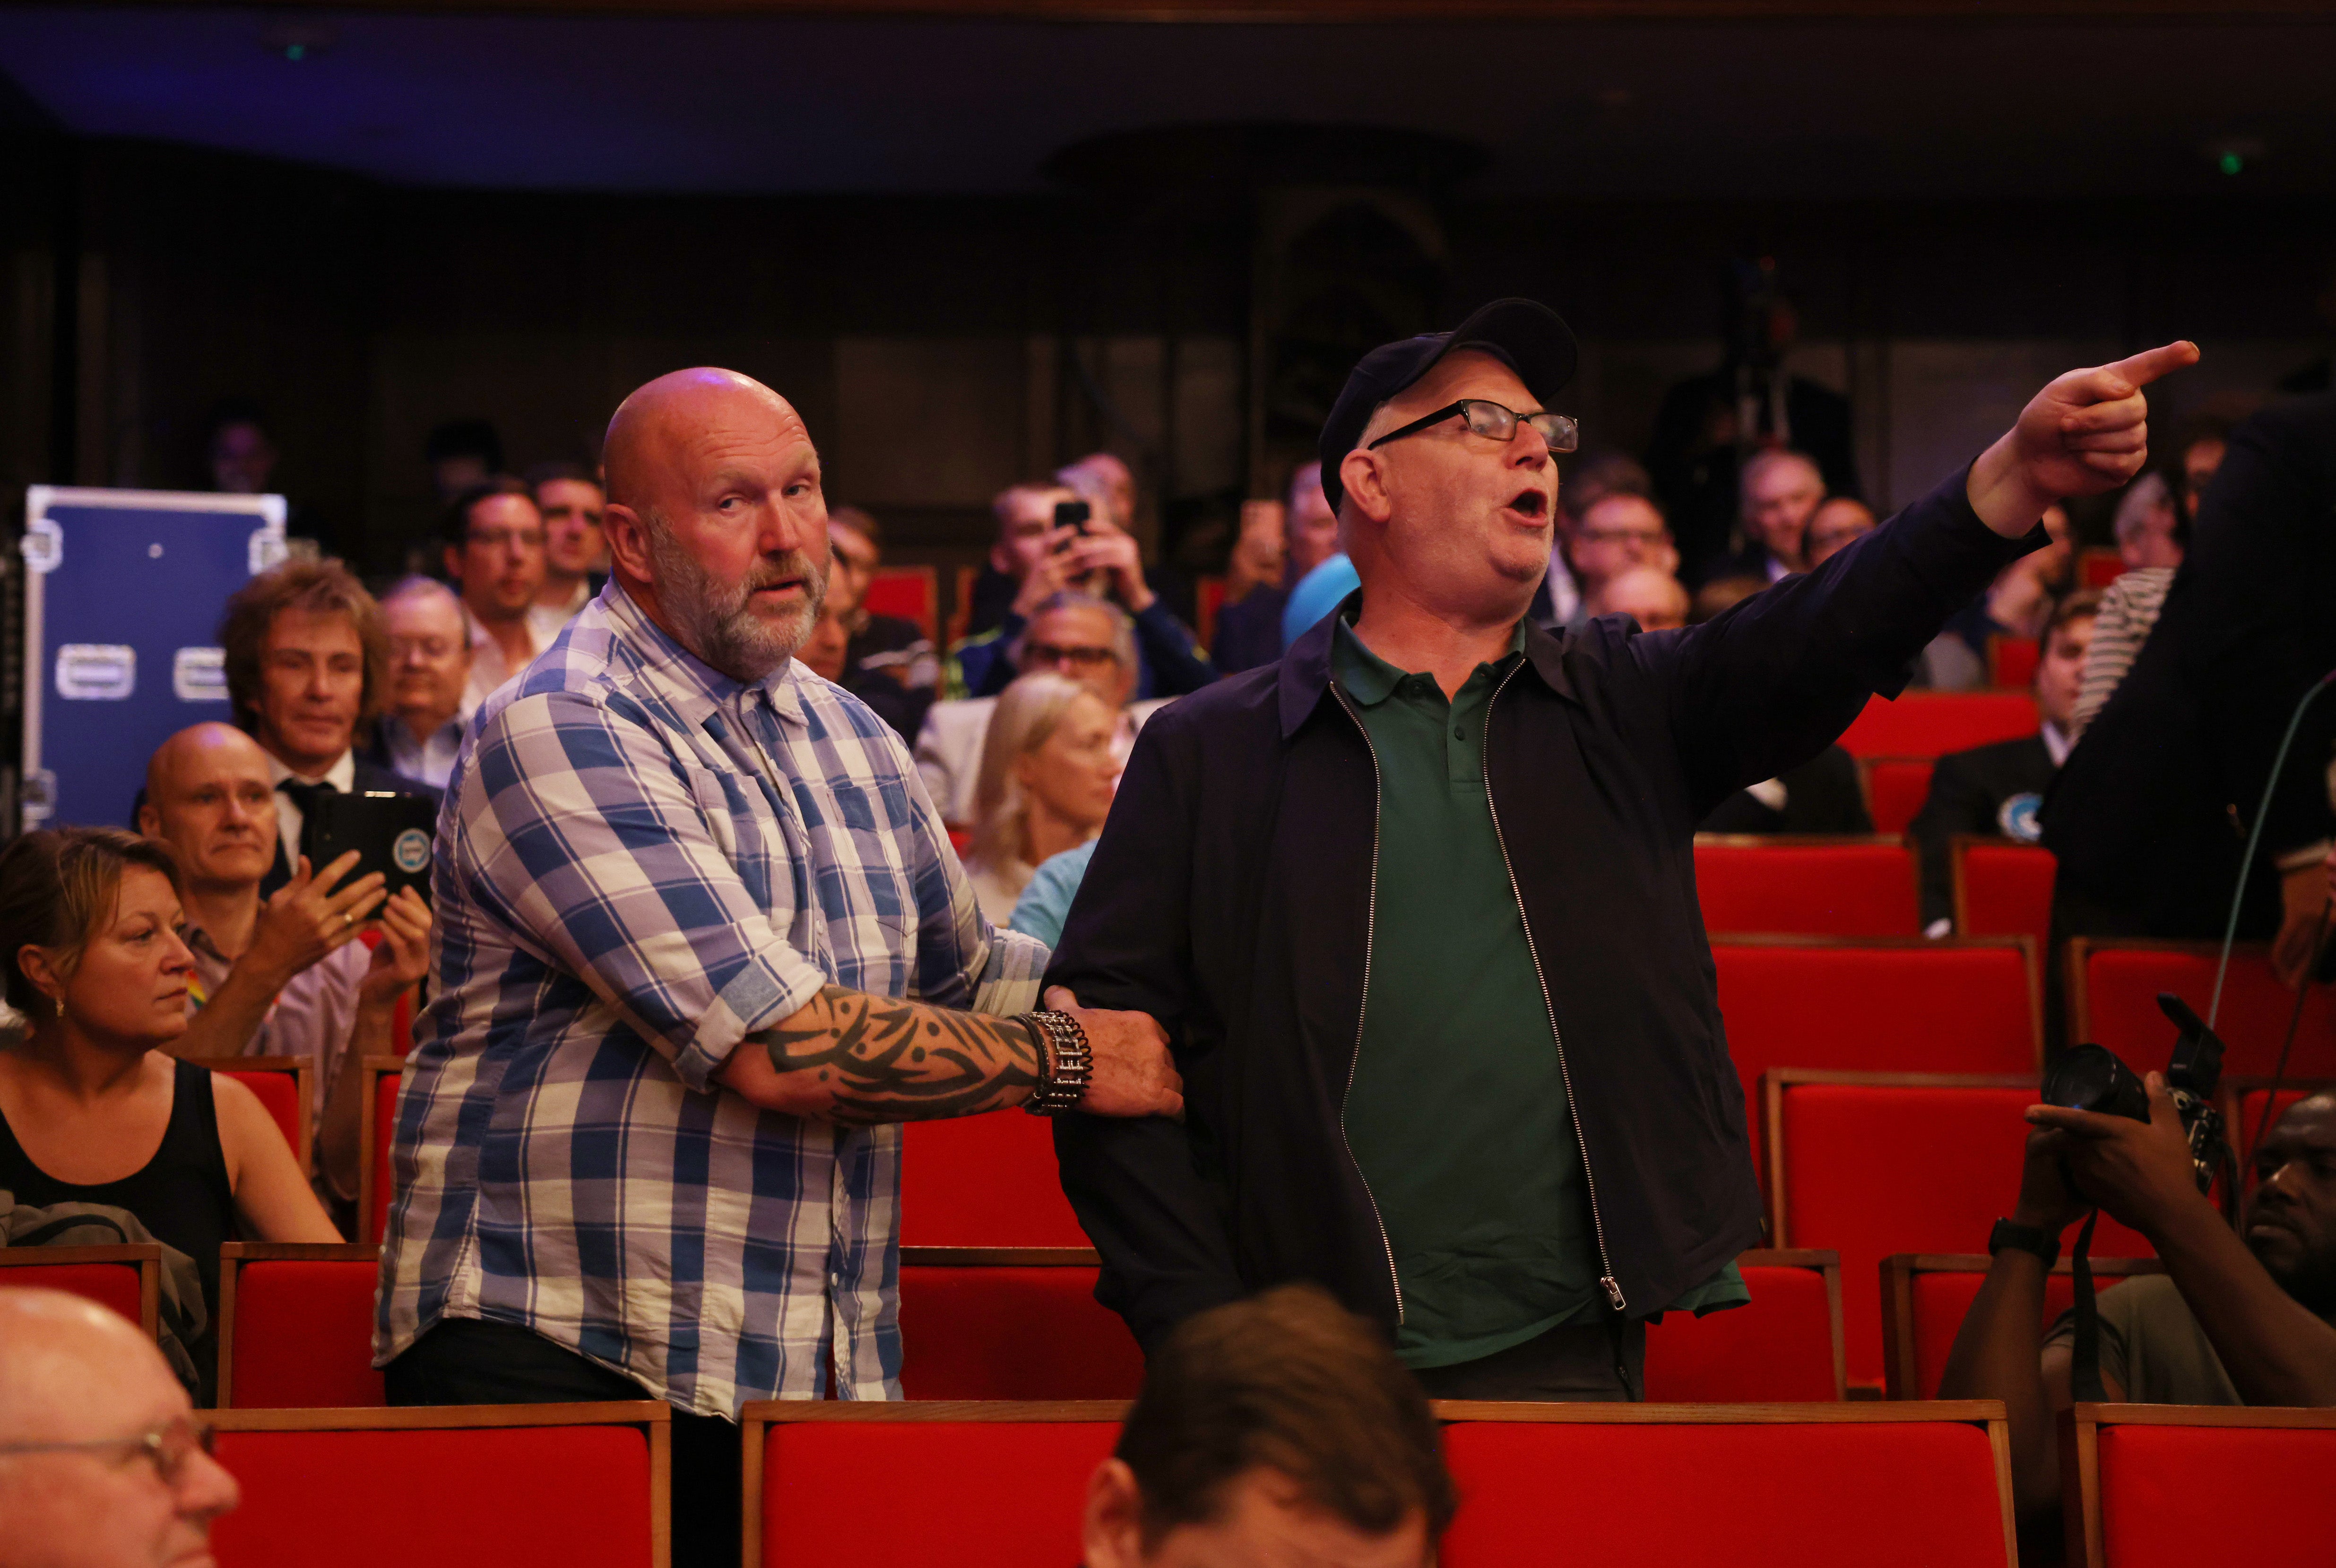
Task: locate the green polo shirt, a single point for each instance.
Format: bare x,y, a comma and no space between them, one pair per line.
1457,1111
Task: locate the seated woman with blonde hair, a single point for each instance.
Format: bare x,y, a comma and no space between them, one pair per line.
1049,769
91,1111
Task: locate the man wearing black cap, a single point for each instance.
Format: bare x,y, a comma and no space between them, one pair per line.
1417,905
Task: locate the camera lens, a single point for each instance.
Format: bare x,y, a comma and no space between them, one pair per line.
2091,1078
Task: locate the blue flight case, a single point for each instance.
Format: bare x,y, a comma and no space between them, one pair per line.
123,593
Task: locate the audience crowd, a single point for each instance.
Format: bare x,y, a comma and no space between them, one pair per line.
939,790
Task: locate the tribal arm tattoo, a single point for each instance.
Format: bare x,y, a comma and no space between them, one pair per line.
859,1060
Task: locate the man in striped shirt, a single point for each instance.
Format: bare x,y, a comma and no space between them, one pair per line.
703,942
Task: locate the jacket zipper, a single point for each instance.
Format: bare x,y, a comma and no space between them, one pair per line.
1371,909
1606,1279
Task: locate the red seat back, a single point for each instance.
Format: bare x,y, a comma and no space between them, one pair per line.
477,1497
2099,568
2011,662
2003,890
1883,1007
1819,887
1005,1492
1208,602
280,1090
1895,789
1785,1346
1010,1324
1812,1494
2115,1005
296,1327
908,592
2261,1476
1932,724
984,1182
1937,1294
1893,1164
382,1080
125,1278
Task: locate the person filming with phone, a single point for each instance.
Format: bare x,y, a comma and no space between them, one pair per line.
1049,541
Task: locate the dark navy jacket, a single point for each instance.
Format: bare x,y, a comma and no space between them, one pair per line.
1230,898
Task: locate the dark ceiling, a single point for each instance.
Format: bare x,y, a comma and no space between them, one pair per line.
1815,109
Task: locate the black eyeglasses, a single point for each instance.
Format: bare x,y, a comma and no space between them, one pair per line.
1490,419
169,1445
1037,655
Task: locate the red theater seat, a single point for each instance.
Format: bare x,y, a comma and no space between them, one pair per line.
910,592
984,1182
2003,889
126,1277
1895,789
283,1086
996,1485
449,1487
1925,1297
1873,1163
1805,886
1882,1004
2136,1465
1010,1323
2099,568
1784,1347
2011,662
295,1326
2244,1099
2113,988
1932,724
377,1135
1811,1485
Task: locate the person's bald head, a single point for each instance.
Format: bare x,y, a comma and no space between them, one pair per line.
72,1372
1651,597
717,523
211,796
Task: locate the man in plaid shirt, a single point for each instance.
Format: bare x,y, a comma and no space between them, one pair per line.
703,944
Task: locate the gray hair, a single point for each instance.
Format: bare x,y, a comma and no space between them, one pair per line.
2145,497
1123,629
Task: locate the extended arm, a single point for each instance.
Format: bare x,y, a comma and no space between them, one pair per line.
398,965
1767,685
272,1200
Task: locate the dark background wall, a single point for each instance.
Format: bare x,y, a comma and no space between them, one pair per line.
1165,294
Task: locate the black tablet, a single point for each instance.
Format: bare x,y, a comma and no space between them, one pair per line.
390,832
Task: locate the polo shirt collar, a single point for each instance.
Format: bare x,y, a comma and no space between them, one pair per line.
1371,679
1305,673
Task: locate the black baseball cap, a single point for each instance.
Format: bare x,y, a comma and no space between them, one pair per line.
1525,334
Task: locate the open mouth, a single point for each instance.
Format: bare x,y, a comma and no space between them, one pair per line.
1531,504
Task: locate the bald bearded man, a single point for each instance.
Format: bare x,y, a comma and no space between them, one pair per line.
705,942
102,1463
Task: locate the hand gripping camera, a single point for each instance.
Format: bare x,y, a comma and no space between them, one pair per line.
2091,1078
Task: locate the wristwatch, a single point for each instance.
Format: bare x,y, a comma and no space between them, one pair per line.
2026,1238
1065,1061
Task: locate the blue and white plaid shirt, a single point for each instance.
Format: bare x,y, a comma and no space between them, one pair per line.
640,862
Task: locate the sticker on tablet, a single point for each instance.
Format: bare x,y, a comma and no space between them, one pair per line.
411,852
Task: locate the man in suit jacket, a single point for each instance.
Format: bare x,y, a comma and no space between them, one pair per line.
2143,816
307,661
1998,789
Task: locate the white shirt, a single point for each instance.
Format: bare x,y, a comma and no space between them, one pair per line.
488,671
430,760
342,776
544,621
1564,593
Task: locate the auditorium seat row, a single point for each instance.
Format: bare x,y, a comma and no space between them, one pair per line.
590,1485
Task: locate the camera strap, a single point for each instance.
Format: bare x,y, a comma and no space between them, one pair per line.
2085,1355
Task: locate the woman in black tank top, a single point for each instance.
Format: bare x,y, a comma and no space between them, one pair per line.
89,1111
